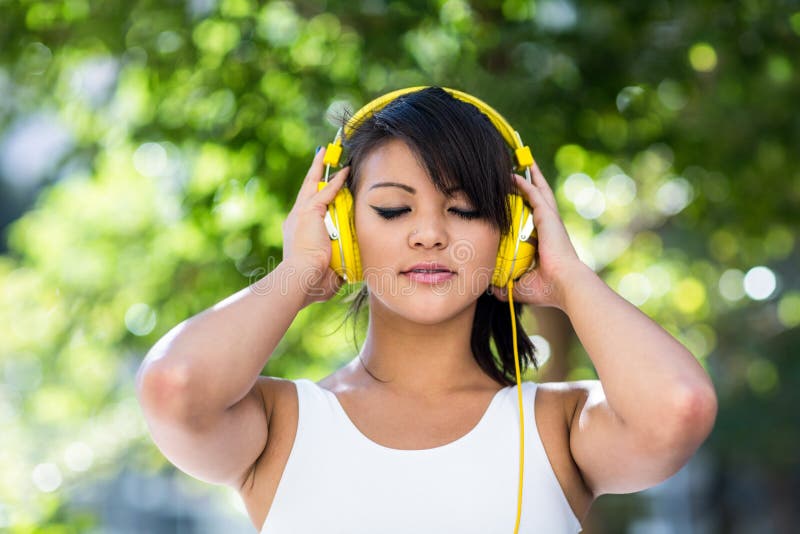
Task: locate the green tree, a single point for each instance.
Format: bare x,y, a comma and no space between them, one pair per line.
667,130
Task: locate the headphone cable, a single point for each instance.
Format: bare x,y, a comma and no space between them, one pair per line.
519,398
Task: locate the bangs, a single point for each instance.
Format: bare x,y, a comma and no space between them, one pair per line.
454,142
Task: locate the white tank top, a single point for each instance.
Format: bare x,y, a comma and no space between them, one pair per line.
338,481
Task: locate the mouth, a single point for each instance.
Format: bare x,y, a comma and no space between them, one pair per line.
428,268
429,273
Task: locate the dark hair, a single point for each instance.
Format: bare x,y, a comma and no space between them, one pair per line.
458,146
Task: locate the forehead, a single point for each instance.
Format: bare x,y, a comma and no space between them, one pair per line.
394,166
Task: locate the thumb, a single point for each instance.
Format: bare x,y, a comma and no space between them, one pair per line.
333,282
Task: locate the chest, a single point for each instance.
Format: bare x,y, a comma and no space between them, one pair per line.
410,426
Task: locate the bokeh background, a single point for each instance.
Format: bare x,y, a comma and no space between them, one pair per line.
149,152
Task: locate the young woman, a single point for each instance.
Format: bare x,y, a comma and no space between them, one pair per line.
420,431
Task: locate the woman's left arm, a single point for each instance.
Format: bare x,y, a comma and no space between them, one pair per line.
654,403
653,383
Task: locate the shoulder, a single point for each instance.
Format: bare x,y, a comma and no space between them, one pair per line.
277,393
567,398
274,385
560,404
279,396
555,408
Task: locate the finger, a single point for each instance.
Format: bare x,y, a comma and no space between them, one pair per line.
333,282
500,293
314,175
540,182
523,184
327,193
531,192
540,205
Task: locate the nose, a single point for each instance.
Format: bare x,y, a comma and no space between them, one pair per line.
428,234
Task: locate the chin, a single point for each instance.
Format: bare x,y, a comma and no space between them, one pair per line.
430,308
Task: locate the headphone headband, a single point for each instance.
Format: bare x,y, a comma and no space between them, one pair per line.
522,153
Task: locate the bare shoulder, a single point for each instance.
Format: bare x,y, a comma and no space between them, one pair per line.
276,393
275,390
571,396
281,408
563,400
280,400
555,407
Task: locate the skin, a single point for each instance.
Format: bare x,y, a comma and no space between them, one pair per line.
211,412
418,338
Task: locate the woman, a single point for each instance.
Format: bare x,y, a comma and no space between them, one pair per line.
419,432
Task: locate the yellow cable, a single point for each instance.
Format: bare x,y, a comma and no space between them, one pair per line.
519,398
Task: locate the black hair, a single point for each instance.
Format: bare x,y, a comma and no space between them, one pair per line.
458,146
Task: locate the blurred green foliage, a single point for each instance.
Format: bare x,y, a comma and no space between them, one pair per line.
667,129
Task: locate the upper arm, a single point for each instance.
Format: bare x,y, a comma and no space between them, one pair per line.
220,449
612,457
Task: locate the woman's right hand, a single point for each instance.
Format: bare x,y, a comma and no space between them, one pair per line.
306,243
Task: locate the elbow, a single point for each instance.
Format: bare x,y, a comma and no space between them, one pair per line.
163,379
695,414
169,394
163,391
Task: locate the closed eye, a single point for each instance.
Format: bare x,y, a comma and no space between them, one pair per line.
466,214
392,213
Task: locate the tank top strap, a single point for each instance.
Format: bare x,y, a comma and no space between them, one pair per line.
508,412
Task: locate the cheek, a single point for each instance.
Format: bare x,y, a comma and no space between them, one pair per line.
489,240
476,252
372,242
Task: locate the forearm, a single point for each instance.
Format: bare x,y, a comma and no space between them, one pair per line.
212,360
651,381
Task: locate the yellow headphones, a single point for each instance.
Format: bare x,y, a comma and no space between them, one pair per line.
515,255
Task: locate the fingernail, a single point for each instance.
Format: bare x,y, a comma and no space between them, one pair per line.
318,149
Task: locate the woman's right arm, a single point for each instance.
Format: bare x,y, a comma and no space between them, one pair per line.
199,386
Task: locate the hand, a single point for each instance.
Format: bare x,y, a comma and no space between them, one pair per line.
306,243
544,285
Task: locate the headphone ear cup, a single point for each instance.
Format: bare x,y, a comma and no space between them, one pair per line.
509,266
345,256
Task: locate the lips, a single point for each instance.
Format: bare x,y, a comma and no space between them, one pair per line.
428,267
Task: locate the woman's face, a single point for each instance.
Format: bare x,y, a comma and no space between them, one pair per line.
402,220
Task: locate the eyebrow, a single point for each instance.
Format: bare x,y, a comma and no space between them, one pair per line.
409,188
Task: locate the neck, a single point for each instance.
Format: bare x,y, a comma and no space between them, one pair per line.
420,360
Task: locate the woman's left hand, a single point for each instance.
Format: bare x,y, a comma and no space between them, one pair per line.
556,257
